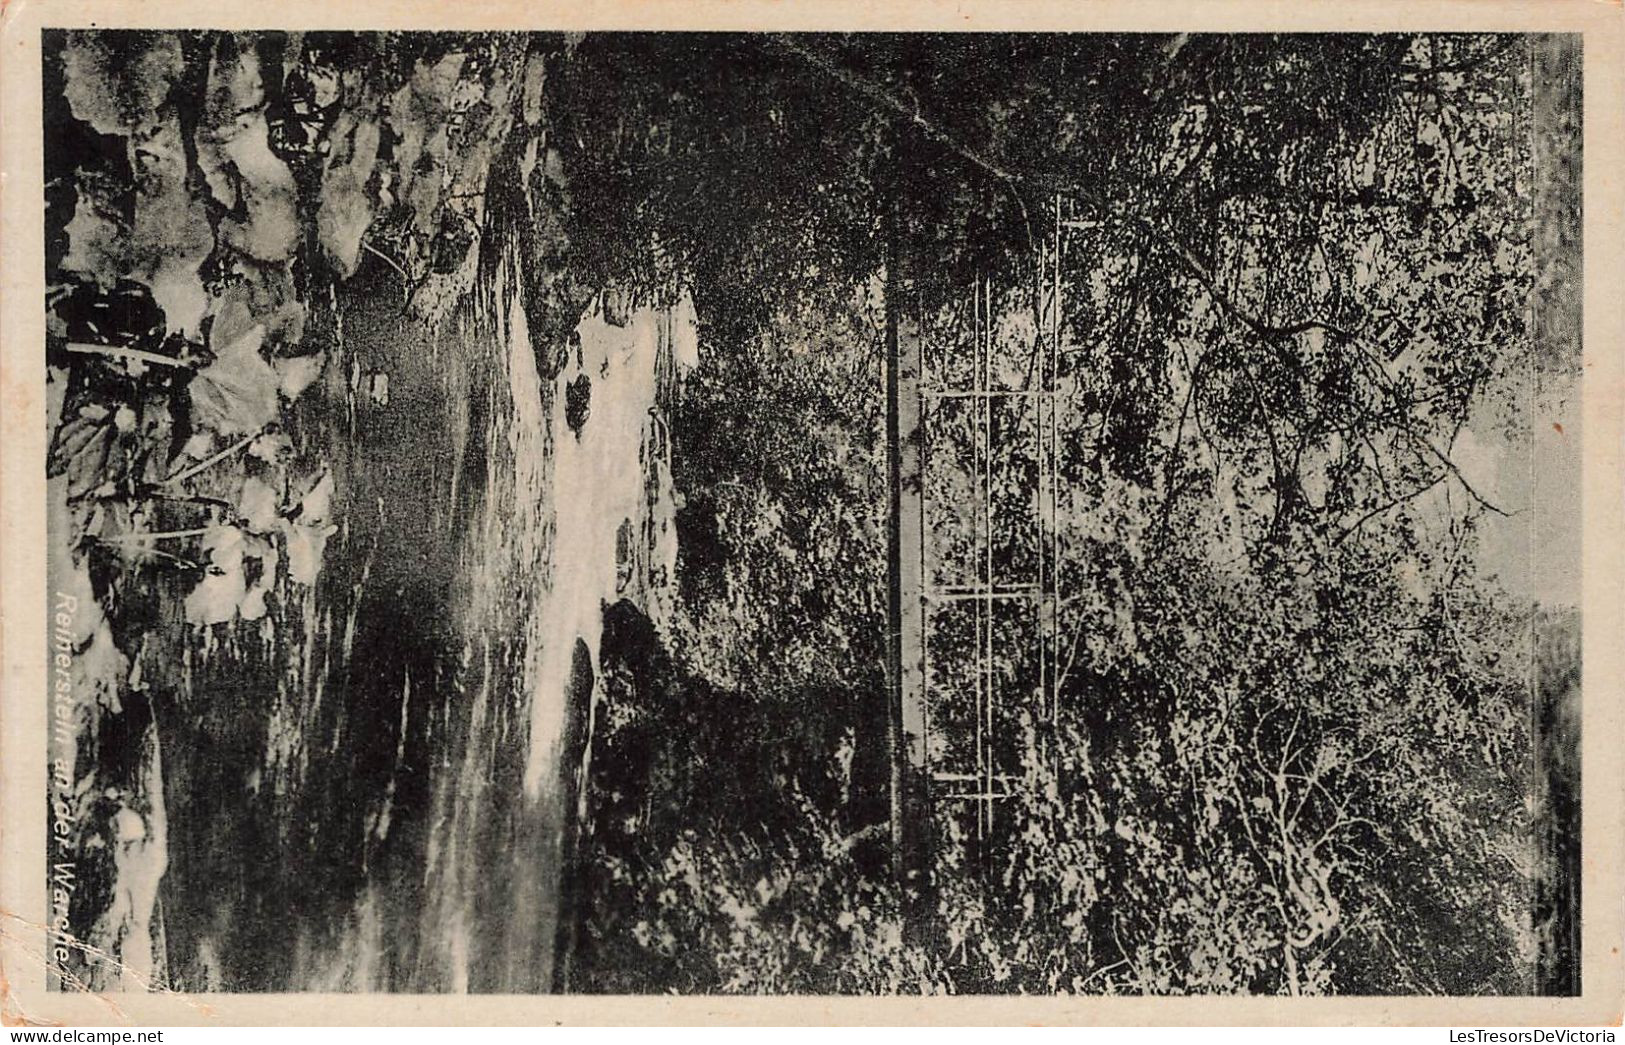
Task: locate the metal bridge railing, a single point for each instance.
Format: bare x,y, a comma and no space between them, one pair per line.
1008,622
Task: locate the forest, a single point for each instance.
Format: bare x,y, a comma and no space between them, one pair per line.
469,454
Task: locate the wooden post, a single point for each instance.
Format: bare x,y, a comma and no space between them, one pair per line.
905,448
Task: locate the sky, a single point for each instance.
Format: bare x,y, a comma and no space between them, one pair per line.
1535,550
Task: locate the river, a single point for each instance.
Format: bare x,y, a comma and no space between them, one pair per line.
406,820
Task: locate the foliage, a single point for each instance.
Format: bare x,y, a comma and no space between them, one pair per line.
1293,736
207,192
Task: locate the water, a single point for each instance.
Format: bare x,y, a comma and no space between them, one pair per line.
543,567
378,789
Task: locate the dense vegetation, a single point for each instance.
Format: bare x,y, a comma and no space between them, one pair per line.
1297,748
1295,740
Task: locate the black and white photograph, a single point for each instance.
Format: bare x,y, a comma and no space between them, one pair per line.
811,513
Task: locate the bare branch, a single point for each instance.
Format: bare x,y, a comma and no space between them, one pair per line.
911,113
1423,72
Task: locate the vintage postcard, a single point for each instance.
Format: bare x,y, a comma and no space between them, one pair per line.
973,512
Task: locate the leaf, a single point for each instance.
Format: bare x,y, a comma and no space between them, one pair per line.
83,449
346,208
259,506
317,505
220,592
306,544
271,447
199,446
245,176
297,373
237,393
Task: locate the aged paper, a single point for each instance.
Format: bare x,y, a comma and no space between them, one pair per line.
964,513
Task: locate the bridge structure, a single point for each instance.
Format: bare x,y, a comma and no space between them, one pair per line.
975,406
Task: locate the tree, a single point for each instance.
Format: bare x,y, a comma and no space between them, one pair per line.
1291,748
1298,272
